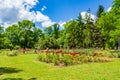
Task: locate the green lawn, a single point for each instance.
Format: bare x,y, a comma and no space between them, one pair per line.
26,67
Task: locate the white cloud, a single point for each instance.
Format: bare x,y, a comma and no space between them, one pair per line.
47,23
83,14
12,11
61,23
109,9
43,8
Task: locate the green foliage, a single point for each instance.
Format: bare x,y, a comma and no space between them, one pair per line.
48,42
119,55
67,60
23,34
13,53
52,30
102,32
72,58
2,38
109,25
16,47
56,62
73,34
100,11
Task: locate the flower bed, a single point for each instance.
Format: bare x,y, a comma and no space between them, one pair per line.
59,57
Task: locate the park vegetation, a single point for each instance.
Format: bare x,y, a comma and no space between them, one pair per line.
71,53
103,32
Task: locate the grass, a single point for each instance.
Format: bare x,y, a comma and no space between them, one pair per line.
26,67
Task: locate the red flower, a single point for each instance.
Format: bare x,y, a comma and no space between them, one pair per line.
47,50
58,51
94,54
73,54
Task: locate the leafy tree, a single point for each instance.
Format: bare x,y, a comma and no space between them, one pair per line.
52,30
55,31
100,11
24,34
109,25
49,39
13,34
97,37
48,42
37,33
89,27
73,35
102,32
48,30
81,27
1,37
61,39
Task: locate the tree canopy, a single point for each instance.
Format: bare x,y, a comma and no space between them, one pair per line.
103,32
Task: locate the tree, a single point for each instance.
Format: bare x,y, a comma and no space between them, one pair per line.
26,34
62,38
52,30
81,26
97,37
13,34
73,36
1,37
88,31
109,25
55,31
48,30
37,33
48,42
23,34
100,11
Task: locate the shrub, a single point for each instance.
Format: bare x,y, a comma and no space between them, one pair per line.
85,59
49,57
114,55
67,60
13,53
56,62
96,59
119,54
40,57
90,59
16,47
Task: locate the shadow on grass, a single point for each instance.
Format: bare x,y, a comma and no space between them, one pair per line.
13,79
8,70
18,79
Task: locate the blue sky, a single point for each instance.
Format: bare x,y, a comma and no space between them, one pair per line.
64,10
47,12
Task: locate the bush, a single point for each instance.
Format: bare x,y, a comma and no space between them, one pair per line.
40,57
16,47
56,62
67,60
13,53
50,57
119,54
90,59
